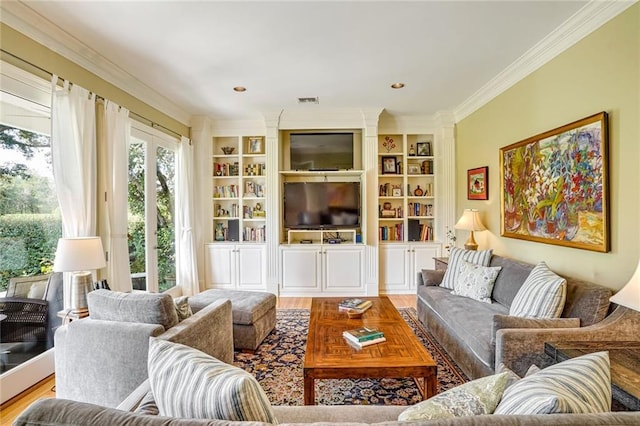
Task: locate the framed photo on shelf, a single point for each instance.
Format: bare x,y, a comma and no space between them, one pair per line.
255,145
413,169
396,192
424,148
478,183
389,165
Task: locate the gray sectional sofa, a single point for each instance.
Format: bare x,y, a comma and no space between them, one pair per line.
479,336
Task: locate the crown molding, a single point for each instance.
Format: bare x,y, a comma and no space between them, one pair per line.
588,19
33,25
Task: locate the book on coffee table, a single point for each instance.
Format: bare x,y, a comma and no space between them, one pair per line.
365,343
362,334
357,305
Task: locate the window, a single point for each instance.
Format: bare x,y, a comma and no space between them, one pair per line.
152,237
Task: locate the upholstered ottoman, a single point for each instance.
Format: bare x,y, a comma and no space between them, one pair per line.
254,314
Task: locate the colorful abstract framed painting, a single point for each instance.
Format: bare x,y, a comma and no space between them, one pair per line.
555,186
478,183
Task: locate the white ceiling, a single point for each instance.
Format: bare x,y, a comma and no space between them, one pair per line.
347,53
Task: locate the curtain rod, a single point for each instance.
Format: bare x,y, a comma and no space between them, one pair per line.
132,114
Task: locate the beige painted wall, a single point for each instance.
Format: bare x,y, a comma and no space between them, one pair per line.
22,47
600,73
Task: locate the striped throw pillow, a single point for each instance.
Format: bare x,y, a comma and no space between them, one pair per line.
457,257
542,295
187,383
578,385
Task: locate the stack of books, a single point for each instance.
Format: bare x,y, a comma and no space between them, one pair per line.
364,336
355,305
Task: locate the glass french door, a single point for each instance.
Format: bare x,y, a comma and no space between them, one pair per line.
152,236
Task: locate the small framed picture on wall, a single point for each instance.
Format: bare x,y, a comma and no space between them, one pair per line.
478,183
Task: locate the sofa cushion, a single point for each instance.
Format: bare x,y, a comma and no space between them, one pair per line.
541,296
467,319
456,259
475,398
148,308
513,274
587,301
188,383
476,281
578,385
247,306
183,308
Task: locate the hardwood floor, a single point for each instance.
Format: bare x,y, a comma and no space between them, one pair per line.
45,389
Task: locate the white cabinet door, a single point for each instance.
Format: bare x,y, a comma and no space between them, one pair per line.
394,267
300,272
343,269
422,258
251,267
221,268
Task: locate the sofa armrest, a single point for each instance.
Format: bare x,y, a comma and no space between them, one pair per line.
210,330
101,362
508,321
337,414
430,277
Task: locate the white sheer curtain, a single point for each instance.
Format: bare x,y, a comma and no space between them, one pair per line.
73,153
73,150
114,133
187,266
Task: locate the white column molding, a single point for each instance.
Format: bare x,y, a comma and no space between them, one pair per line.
201,137
369,200
272,202
445,173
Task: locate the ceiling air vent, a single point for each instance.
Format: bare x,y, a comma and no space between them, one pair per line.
313,100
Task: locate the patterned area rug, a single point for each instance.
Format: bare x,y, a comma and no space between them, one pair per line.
278,363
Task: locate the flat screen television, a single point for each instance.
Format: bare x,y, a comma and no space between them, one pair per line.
321,205
321,151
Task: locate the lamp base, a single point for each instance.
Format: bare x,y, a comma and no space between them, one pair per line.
471,244
80,285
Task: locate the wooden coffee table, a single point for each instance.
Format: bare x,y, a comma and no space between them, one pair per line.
329,356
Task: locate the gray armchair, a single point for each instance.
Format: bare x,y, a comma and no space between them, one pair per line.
103,358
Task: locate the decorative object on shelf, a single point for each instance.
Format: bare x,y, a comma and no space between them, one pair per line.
413,169
418,192
412,151
227,150
255,145
427,167
389,165
396,191
219,232
554,186
424,149
470,221
388,143
80,256
478,183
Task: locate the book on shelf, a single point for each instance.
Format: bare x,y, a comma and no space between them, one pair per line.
363,334
365,343
356,305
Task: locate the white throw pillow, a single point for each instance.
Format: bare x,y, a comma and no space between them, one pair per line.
456,259
542,295
578,385
476,281
478,397
187,383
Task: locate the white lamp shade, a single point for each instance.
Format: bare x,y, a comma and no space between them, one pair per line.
629,296
470,221
79,254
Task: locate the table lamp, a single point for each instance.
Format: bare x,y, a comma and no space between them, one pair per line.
470,221
629,296
80,256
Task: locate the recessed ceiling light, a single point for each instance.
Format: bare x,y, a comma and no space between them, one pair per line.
240,89
397,85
